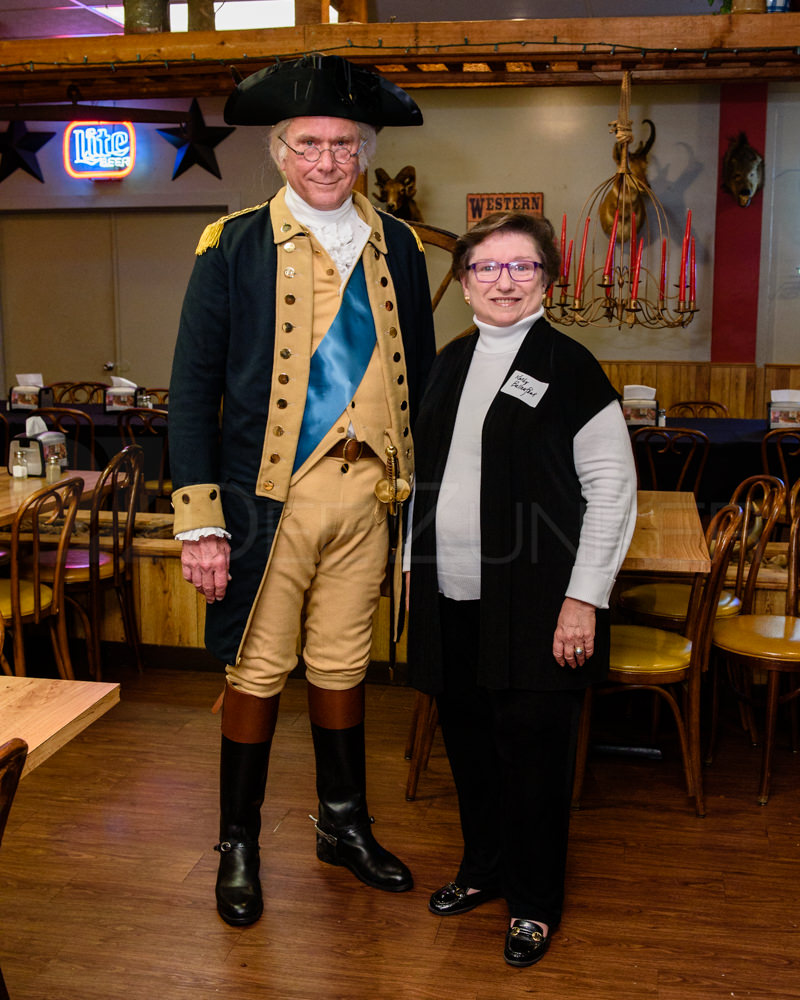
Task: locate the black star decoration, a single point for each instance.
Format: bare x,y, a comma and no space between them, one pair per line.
195,142
18,148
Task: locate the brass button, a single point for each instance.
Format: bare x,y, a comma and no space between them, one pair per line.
274,459
281,404
286,353
212,495
278,431
396,356
287,327
329,271
376,236
288,247
186,498
269,485
286,227
389,306
283,378
340,430
384,281
289,272
289,300
392,331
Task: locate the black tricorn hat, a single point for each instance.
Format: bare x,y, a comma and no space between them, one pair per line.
317,85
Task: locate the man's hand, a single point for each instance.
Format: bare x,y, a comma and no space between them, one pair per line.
205,563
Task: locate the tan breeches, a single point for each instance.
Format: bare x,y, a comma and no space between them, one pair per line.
323,583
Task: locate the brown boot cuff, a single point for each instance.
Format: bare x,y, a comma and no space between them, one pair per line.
246,718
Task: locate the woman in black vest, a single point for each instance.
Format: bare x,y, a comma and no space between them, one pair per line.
523,510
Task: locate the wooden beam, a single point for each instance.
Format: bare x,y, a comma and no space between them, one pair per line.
573,51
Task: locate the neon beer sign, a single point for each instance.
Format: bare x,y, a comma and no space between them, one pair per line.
99,150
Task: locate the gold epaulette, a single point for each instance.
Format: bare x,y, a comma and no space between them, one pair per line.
213,231
420,247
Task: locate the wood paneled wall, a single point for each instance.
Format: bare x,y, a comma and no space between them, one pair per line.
743,388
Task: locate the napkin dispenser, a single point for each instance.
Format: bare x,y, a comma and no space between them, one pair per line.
120,397
29,397
640,406
37,449
784,409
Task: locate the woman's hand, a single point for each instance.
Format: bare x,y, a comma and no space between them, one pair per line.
573,641
205,564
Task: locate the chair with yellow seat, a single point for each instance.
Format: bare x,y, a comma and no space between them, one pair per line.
25,597
770,645
697,408
106,560
665,603
780,456
667,664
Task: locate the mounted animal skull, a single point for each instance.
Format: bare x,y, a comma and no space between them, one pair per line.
624,194
398,193
742,170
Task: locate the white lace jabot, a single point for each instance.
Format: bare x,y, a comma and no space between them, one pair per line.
341,231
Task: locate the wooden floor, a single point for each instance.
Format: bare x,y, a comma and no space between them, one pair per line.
107,875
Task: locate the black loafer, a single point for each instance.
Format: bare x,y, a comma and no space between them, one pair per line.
525,943
451,898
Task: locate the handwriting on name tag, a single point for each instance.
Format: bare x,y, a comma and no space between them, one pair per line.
525,387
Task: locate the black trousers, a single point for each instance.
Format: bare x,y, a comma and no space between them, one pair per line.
512,754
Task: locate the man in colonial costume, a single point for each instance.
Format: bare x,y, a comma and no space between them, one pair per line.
305,338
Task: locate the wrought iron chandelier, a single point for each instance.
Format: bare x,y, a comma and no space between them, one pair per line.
621,273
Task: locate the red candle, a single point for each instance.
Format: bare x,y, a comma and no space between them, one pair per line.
563,241
579,279
663,284
692,274
633,247
637,267
611,242
568,264
684,254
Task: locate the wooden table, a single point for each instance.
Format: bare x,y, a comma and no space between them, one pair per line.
14,491
668,537
49,713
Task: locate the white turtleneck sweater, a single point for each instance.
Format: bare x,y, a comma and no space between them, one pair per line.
603,461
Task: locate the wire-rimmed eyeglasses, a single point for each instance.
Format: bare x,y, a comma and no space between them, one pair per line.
341,154
518,270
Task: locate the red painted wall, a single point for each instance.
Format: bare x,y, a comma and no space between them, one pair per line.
737,240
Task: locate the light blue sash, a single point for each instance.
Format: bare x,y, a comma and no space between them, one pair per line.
337,365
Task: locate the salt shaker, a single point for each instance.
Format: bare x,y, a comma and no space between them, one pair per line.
19,464
53,470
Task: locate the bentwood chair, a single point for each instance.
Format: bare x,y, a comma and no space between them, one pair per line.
670,458
780,456
25,598
665,603
78,392
698,408
107,560
5,438
148,428
159,396
769,645
78,429
12,760
669,665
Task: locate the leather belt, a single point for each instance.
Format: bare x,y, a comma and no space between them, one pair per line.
350,450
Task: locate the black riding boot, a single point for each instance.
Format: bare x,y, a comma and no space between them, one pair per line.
247,727
344,834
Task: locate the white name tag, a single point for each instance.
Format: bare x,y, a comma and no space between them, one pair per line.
526,388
